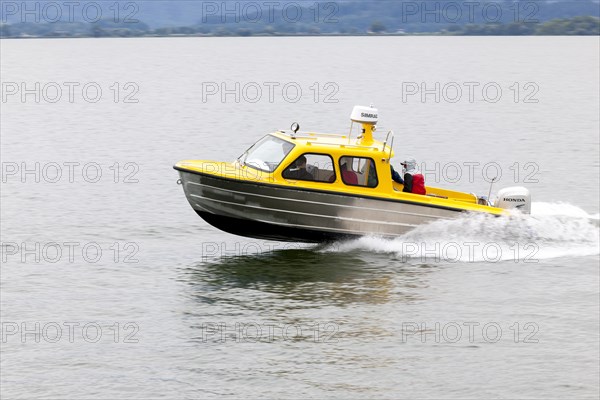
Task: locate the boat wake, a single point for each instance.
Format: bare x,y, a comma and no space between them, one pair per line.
552,230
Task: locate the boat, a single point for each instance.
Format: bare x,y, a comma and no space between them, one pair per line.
319,187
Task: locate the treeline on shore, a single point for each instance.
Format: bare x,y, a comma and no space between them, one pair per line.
582,25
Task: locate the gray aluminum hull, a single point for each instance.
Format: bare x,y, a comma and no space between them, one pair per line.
282,213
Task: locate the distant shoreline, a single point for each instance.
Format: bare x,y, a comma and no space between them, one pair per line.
276,36
432,34
575,26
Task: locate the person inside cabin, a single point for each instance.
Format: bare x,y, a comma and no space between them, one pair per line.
349,177
300,171
372,177
414,182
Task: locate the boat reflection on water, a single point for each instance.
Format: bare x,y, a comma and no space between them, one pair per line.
301,289
314,276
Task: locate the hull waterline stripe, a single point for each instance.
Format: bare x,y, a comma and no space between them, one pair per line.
320,228
309,214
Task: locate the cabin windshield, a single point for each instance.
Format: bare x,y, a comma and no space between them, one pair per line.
266,154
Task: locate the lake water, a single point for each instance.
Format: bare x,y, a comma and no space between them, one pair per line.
112,287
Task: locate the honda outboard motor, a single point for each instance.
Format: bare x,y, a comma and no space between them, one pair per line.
514,198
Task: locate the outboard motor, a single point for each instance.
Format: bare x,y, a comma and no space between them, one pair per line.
516,197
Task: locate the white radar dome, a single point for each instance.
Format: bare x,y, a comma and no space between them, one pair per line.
364,115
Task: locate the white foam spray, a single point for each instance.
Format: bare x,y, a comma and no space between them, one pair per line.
552,230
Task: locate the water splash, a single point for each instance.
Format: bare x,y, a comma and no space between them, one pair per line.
552,230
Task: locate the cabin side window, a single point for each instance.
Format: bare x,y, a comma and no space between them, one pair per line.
358,171
311,167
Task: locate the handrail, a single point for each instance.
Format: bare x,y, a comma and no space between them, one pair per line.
355,146
306,134
387,137
391,145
